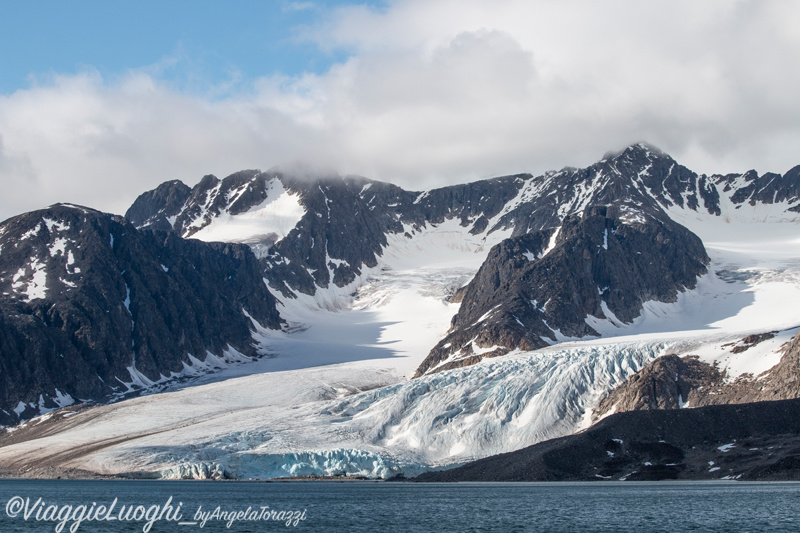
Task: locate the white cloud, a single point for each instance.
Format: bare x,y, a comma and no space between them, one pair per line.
435,92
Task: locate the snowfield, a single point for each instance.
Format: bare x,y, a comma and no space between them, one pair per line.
335,397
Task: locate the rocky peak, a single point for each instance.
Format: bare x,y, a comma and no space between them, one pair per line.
154,209
768,188
641,151
339,225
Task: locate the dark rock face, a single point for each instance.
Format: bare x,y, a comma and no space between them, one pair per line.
473,204
343,231
666,383
783,380
752,340
87,296
153,209
598,263
671,382
754,441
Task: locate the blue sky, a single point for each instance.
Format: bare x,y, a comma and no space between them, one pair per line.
194,44
102,100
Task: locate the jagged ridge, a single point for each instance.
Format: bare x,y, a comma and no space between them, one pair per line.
345,222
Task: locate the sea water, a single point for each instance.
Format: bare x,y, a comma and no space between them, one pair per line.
354,506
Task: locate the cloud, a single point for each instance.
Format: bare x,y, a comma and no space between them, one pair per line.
433,92
712,77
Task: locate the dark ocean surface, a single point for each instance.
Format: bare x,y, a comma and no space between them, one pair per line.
352,506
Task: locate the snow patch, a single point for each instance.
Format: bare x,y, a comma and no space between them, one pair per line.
55,225
127,301
63,400
32,232
421,196
630,215
138,379
551,243
59,246
270,221
21,406
36,287
681,403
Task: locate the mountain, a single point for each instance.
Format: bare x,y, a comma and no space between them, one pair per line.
316,235
518,303
333,227
311,234
93,308
536,289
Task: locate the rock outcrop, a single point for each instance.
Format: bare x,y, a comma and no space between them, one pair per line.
672,382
